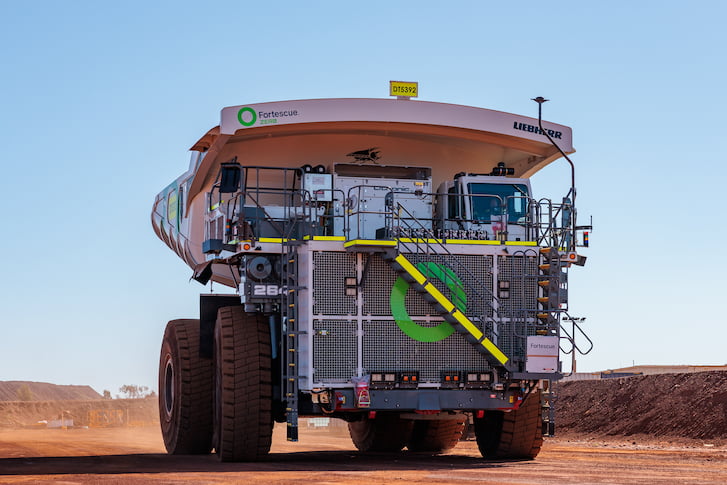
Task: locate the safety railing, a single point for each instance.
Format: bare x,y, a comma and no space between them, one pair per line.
570,337
426,243
262,208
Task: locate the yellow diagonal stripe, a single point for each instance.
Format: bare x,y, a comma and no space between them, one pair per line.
467,324
441,299
449,306
495,351
409,268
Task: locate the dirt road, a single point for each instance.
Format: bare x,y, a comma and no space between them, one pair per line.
136,455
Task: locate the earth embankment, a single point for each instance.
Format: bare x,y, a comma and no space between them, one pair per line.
44,391
96,413
689,405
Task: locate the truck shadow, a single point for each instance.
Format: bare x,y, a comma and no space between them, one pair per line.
314,461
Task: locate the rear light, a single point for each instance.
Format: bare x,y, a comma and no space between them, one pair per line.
478,379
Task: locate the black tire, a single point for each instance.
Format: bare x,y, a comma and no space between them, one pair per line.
387,432
185,391
243,385
436,436
514,435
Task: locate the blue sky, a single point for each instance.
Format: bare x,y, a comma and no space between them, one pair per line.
100,101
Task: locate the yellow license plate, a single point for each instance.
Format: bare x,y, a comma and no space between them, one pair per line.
400,88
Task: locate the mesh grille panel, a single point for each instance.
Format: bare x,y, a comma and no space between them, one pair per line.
521,272
475,271
506,340
381,278
331,269
377,288
387,348
383,345
511,338
335,354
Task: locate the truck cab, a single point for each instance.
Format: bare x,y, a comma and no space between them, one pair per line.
485,207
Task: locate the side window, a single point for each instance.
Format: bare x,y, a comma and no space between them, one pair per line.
181,202
172,208
453,203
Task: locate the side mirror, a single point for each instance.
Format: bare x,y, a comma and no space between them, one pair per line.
230,177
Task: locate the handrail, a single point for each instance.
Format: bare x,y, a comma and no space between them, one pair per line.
571,337
418,242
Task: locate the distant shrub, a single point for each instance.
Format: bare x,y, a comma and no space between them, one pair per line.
24,393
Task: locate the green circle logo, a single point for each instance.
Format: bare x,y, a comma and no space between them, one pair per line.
253,115
401,316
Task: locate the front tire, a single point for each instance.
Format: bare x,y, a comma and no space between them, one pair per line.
185,391
243,385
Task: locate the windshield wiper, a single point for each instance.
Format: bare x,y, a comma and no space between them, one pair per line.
519,190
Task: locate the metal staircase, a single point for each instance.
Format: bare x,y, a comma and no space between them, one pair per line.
446,308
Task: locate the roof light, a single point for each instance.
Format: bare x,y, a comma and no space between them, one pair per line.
502,170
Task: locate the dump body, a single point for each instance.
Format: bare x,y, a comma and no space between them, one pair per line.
446,138
395,246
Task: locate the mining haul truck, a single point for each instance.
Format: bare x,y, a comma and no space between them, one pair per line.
388,264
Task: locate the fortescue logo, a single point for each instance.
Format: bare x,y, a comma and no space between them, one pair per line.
248,116
535,129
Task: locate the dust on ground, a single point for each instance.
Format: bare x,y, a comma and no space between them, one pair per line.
136,455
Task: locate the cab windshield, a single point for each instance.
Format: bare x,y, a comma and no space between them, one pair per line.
488,200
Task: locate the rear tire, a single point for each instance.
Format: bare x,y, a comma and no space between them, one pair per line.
387,432
185,391
243,385
514,435
436,436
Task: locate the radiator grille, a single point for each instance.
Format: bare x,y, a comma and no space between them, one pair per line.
387,348
335,357
512,338
382,345
522,274
331,269
377,287
380,279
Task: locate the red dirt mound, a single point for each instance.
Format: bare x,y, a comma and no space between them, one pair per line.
43,391
667,405
107,412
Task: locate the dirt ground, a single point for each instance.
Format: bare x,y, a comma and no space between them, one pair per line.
136,455
664,429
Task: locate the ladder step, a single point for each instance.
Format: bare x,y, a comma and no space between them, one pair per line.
292,434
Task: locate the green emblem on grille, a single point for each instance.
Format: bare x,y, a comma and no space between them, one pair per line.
401,316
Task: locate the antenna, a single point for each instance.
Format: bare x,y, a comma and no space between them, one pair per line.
540,100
